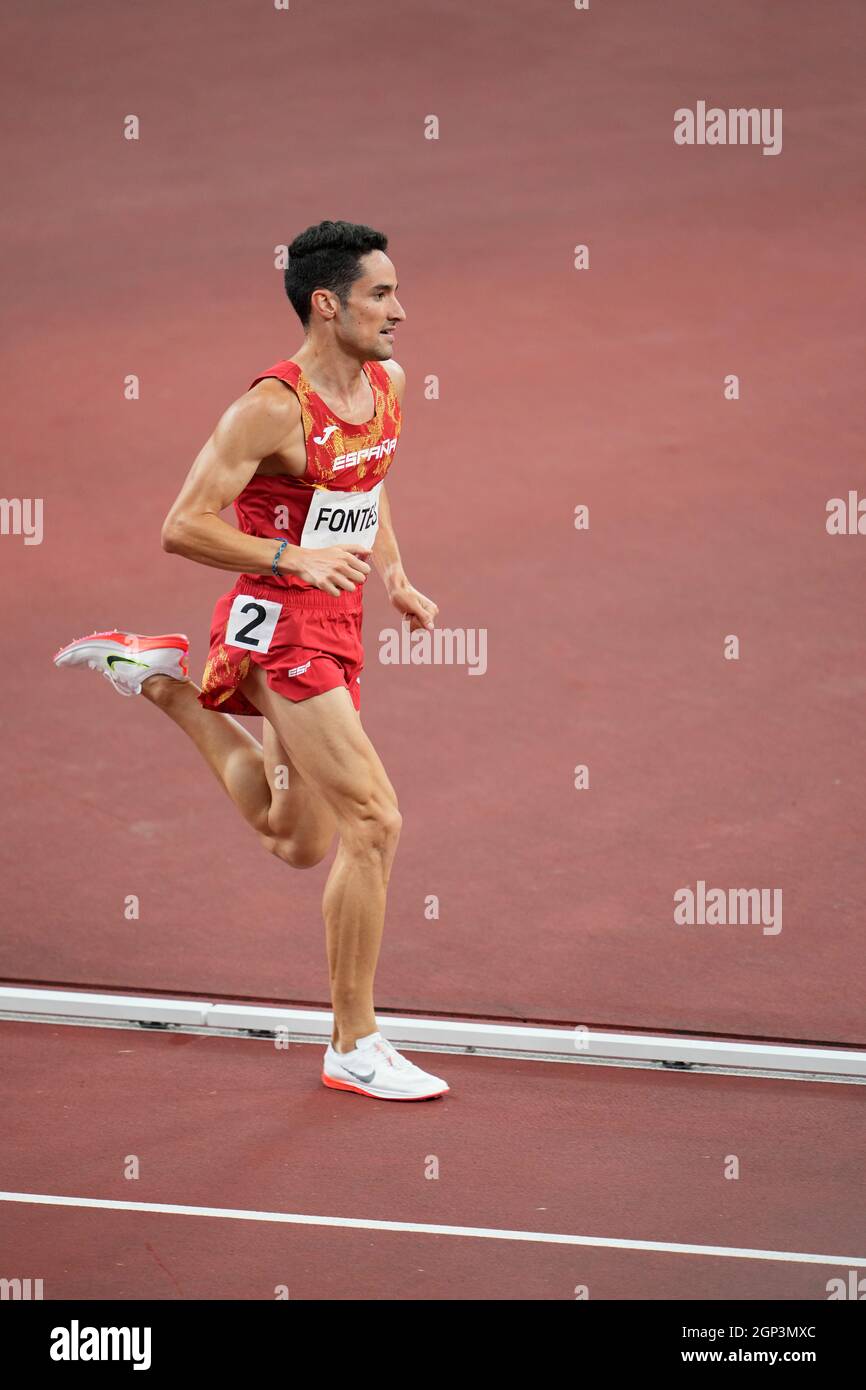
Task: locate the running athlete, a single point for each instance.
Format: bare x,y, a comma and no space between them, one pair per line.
303,455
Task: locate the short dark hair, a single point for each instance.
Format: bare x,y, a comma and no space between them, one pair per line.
326,257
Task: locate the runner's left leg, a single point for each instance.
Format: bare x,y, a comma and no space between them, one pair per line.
301,824
293,822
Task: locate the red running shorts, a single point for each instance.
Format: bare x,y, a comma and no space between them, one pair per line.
305,641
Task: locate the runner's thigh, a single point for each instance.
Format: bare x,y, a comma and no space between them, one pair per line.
327,744
302,801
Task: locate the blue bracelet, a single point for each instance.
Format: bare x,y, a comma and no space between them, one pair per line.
275,560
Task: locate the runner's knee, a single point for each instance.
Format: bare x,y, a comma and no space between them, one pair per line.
298,856
373,826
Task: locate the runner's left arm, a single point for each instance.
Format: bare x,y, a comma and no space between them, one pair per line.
420,610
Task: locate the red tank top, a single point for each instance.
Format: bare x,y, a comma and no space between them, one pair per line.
335,500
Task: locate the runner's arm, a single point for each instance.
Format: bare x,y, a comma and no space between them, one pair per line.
409,602
251,429
386,552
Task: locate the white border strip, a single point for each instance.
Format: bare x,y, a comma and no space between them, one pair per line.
71,1004
442,1050
578,1044
424,1228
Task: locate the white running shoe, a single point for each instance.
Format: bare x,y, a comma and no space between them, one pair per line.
375,1068
127,659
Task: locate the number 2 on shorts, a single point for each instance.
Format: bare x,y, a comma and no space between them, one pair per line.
251,623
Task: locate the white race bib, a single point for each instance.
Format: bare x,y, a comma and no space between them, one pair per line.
338,518
251,623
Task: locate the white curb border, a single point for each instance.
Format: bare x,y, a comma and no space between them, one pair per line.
566,1044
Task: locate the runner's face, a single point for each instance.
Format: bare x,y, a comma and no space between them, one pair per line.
373,309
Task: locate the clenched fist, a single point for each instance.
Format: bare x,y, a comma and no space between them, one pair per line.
335,569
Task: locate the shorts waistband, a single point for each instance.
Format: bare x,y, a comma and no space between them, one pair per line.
315,600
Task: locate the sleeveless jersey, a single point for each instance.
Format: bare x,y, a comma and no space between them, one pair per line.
335,500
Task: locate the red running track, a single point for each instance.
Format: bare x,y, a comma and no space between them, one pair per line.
556,388
633,1155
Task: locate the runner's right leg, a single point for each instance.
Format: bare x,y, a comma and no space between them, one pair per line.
329,745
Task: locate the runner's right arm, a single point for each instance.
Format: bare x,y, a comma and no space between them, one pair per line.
252,429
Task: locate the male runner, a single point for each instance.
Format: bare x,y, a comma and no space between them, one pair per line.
303,455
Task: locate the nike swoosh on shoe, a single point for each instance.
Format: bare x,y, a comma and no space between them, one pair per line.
113,660
365,1080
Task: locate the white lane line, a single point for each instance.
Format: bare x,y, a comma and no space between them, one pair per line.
426,1229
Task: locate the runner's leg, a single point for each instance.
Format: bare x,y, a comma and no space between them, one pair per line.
332,753
300,823
292,821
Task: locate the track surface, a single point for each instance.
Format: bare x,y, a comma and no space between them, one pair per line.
557,388
520,1146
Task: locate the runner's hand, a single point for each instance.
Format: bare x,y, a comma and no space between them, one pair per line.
335,569
420,610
